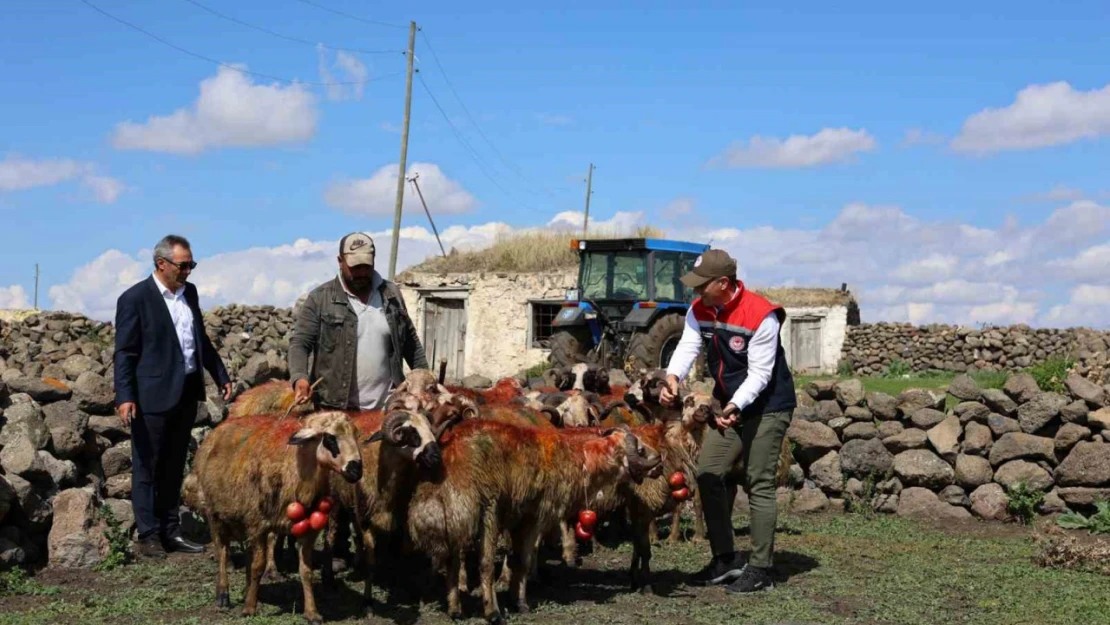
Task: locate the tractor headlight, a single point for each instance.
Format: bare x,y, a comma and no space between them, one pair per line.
572,295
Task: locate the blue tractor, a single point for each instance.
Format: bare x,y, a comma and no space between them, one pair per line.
629,307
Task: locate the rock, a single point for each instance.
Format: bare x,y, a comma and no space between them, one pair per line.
865,457
945,438
94,394
1039,411
827,410
1099,419
821,389
838,424
813,440
973,471
65,414
63,473
1000,425
1016,471
119,486
40,390
1082,388
1082,496
826,475
969,411
856,413
850,393
109,427
921,467
796,476
912,400
802,411
1053,504
989,502
25,420
19,457
809,500
926,418
977,439
853,487
882,406
1021,387
922,503
965,388
116,460
123,511
860,430
263,367
77,364
890,428
911,438
999,402
474,381
1088,464
76,537
1015,446
1068,435
1075,412
8,497
954,495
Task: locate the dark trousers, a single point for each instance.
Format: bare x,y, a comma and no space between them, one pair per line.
159,448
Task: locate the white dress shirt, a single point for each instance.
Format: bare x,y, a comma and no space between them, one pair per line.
761,356
372,380
182,322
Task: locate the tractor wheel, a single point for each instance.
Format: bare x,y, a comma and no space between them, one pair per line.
653,349
570,346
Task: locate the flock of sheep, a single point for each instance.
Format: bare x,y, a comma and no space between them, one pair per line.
448,472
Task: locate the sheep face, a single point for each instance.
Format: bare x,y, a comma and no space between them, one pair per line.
576,411
413,436
646,388
420,390
639,461
335,442
698,408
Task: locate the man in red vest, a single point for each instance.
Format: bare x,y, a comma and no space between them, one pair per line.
740,333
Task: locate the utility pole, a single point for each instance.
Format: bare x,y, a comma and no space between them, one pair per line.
426,211
589,192
36,286
404,157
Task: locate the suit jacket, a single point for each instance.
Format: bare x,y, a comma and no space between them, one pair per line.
149,369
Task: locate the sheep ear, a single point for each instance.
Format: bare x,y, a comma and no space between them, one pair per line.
375,437
302,436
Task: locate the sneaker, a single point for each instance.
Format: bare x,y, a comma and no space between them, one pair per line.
720,569
150,548
752,579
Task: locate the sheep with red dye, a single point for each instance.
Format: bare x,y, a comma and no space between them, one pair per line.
250,469
497,477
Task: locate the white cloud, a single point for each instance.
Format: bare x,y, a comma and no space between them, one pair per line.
1090,265
1088,306
917,136
352,70
932,267
14,297
1040,116
231,111
377,195
830,145
677,208
18,173
572,221
1058,193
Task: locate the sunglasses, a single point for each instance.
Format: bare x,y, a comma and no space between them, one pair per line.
182,265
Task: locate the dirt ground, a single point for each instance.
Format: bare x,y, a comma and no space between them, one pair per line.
830,568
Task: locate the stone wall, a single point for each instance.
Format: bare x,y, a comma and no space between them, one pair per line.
908,455
871,348
498,315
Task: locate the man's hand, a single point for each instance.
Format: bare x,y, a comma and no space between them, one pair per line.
729,416
669,393
227,391
302,391
126,412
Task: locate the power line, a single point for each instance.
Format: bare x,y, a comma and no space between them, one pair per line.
353,17
470,148
228,66
287,37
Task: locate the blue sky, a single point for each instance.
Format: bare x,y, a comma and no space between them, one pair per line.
660,99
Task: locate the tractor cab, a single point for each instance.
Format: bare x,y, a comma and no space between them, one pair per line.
628,307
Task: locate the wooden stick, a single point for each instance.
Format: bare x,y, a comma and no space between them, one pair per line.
290,408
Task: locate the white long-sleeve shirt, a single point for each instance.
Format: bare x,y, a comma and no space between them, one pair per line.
761,356
182,318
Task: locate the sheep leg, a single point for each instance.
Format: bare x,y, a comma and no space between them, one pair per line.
456,566
220,544
368,568
641,546
524,548
305,543
490,535
699,517
271,573
254,573
676,525
570,544
327,569
506,571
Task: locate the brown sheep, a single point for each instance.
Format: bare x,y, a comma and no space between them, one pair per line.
246,476
270,397
499,477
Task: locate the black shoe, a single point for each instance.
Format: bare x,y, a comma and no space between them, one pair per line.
179,544
720,569
150,548
752,579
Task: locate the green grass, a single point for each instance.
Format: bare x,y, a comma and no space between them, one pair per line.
834,569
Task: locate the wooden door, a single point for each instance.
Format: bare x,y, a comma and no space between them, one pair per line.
805,344
445,334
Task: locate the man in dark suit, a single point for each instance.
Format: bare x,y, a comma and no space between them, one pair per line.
161,347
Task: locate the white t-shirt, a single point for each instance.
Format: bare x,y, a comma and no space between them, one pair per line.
372,379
